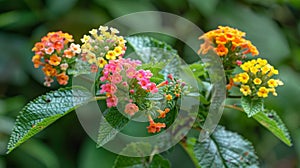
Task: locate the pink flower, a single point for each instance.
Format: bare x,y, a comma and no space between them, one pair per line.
144,83
112,101
108,88
140,75
131,109
49,50
125,84
131,91
116,78
148,74
130,73
152,87
239,62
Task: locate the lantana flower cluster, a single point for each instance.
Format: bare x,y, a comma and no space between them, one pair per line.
103,44
136,81
257,79
229,44
55,53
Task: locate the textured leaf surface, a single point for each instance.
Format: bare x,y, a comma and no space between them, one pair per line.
273,123
225,149
252,106
150,50
44,110
112,122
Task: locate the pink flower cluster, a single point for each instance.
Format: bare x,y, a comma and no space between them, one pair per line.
112,75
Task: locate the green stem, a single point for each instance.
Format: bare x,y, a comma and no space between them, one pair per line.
100,97
234,107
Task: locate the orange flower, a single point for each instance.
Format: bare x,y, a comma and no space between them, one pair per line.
154,127
205,47
162,114
49,70
221,50
62,78
54,60
221,40
69,53
36,59
230,84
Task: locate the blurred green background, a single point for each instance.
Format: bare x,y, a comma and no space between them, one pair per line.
272,25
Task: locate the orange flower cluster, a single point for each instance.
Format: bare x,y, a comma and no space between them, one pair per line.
229,44
155,127
55,54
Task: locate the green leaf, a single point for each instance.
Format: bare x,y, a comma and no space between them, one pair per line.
273,123
225,149
252,106
112,122
137,162
156,161
150,50
44,110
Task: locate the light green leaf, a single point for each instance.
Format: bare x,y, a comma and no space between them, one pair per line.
44,110
273,123
252,106
225,149
112,122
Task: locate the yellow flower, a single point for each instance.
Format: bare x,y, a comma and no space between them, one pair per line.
273,71
265,69
257,81
262,62
245,89
91,58
253,70
85,39
246,66
118,50
101,62
243,77
272,83
279,82
111,55
273,91
93,32
169,97
262,92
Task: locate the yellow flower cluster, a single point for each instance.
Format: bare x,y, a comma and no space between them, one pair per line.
102,45
256,80
229,44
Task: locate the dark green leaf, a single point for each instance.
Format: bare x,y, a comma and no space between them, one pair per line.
252,106
44,110
225,149
112,122
273,123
